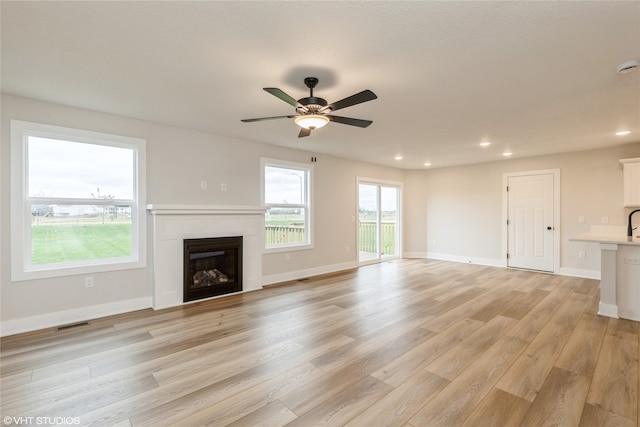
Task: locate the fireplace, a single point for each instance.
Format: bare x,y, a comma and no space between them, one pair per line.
212,267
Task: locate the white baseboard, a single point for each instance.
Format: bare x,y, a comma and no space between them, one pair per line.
630,316
575,272
489,262
609,310
409,255
49,320
310,272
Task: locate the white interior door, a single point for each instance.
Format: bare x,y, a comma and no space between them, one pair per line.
530,222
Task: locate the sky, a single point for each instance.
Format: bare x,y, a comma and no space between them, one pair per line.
76,170
368,198
283,185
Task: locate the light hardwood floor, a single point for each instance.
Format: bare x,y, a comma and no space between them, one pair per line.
405,343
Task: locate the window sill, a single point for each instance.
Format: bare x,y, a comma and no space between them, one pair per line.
287,248
61,271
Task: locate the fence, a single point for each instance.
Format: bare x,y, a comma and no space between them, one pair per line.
279,234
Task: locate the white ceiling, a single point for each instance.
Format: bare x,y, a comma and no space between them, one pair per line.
533,78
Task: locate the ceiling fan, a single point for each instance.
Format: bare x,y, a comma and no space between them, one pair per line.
313,112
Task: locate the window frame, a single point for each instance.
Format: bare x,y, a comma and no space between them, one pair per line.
21,214
307,204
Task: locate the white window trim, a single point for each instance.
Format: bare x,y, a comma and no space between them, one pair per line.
308,209
21,215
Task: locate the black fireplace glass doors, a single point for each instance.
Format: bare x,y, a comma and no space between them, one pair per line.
212,267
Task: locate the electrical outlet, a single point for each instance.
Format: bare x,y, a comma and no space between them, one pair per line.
605,220
287,257
582,255
581,219
203,185
346,249
88,282
223,187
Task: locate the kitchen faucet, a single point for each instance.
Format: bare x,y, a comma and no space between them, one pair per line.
629,229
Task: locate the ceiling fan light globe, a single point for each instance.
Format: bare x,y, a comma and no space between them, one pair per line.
311,121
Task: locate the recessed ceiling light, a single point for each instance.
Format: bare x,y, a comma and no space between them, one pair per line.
398,157
485,144
623,132
427,163
507,153
628,66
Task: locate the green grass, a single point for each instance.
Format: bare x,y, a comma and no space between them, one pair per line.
51,244
283,220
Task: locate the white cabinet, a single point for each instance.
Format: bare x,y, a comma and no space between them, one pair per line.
631,185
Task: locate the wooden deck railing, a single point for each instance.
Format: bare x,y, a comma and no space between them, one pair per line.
368,238
279,234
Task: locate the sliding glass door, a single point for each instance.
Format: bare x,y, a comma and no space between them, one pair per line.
368,222
378,221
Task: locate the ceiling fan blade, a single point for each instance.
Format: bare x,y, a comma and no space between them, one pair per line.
266,118
358,98
349,121
278,93
304,132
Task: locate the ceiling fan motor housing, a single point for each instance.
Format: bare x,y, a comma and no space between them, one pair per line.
311,104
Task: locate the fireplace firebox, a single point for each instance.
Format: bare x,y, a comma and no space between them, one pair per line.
212,267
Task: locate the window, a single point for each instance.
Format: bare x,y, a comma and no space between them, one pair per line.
77,201
287,188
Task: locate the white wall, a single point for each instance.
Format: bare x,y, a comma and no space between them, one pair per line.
177,160
456,213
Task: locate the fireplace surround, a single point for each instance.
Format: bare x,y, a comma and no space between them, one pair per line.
172,224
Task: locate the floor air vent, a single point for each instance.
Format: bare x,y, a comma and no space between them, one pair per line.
73,325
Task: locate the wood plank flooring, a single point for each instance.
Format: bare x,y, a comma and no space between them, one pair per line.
403,343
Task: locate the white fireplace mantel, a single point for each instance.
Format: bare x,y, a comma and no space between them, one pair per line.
205,210
173,223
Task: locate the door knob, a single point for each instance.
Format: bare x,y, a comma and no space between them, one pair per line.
549,228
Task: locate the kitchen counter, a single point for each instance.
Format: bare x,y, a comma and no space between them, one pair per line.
617,239
619,272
